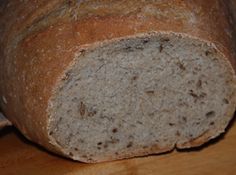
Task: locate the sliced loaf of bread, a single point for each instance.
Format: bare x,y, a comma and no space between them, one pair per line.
105,80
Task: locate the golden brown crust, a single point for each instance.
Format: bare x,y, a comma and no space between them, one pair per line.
33,59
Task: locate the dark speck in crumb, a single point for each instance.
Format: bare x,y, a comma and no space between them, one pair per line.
210,114
165,39
199,83
130,144
207,53
114,130
160,47
99,143
82,108
226,101
150,92
146,40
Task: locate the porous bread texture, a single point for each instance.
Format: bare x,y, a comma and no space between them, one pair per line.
142,95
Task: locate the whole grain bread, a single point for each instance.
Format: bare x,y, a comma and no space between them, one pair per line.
105,80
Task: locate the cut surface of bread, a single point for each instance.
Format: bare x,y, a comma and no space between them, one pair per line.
142,95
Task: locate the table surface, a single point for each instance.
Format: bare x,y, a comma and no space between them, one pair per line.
19,156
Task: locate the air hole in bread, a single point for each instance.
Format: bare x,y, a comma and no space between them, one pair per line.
210,114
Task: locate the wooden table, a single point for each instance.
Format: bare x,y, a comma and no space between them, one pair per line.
19,156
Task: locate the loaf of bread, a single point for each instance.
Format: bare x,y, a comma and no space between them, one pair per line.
104,80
